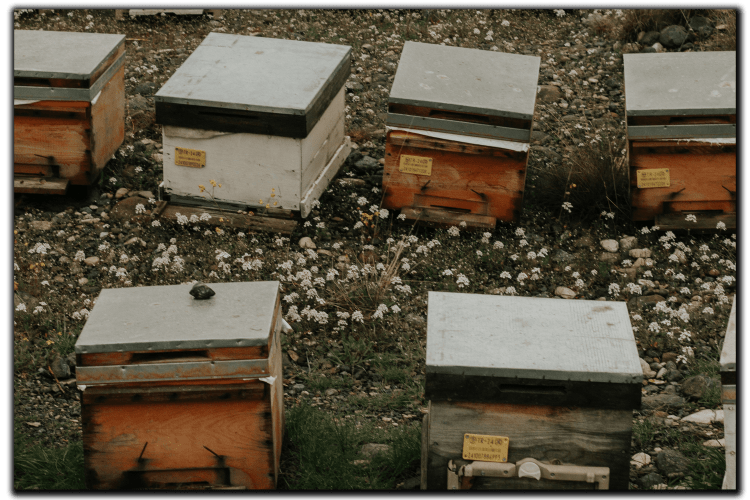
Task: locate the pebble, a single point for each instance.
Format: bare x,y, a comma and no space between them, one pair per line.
120,193
715,443
307,242
705,417
628,242
647,371
565,292
640,459
609,257
610,245
91,261
201,291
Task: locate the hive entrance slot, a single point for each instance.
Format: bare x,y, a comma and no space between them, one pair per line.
548,390
453,209
169,356
462,117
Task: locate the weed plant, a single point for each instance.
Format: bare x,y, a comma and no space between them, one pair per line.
37,467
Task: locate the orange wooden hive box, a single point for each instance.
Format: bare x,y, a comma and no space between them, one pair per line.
68,107
180,393
682,148
458,131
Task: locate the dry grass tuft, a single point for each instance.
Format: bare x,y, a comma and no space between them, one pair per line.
637,20
726,25
593,176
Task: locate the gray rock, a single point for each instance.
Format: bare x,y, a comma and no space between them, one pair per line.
91,261
367,163
139,103
649,38
639,301
697,386
609,257
628,242
331,392
673,375
71,360
415,319
561,256
548,94
702,26
672,464
649,480
538,137
662,401
298,387
201,291
413,483
640,253
145,89
647,371
673,36
60,368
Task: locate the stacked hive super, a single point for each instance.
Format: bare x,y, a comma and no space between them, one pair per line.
68,107
458,132
259,116
180,392
523,400
681,118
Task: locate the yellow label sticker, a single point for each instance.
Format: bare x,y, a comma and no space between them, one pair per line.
653,178
189,158
485,448
419,165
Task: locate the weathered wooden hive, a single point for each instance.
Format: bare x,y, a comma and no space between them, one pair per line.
681,121
728,361
263,117
528,393
180,392
68,107
458,132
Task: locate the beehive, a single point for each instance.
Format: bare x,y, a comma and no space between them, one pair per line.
68,107
182,393
260,116
681,124
728,361
557,380
458,132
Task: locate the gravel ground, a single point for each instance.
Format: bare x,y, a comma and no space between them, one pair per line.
67,249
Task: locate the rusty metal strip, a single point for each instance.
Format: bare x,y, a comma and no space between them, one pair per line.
695,131
464,128
65,94
157,372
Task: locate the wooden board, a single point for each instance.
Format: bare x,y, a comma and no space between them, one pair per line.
575,436
444,218
281,224
702,177
704,221
493,178
233,423
40,185
108,122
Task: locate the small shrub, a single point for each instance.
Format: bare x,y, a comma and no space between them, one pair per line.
636,20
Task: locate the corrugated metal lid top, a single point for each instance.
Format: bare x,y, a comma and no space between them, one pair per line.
466,80
728,359
680,83
531,338
168,317
255,74
61,54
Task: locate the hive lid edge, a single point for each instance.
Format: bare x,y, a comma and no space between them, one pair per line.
460,108
539,374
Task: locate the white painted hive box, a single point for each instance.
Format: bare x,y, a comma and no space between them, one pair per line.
259,116
728,362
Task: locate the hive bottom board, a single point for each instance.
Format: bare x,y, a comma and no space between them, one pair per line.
178,437
575,436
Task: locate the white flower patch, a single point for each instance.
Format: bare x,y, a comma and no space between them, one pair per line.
462,281
41,248
453,231
382,308
614,289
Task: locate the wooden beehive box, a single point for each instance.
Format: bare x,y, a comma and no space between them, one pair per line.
558,379
68,107
728,361
182,393
458,132
681,122
260,116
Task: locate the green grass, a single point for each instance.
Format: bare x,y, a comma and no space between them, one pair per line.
322,454
39,468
